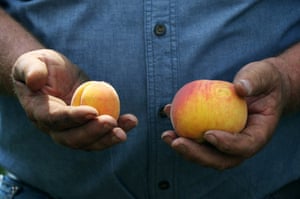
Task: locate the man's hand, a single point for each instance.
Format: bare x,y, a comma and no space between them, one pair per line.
266,90
44,82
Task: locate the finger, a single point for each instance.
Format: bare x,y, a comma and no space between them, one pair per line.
86,135
167,109
204,154
237,144
65,117
127,122
256,78
30,70
168,137
115,136
54,115
244,144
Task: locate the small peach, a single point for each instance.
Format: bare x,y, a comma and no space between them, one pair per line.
204,105
100,95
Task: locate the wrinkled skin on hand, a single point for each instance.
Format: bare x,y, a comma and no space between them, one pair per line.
44,82
266,90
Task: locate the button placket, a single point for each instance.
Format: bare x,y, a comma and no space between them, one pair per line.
161,69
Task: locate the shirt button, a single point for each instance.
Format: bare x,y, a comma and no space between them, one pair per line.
160,29
163,185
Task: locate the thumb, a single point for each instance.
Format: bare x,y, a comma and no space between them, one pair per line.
31,71
256,78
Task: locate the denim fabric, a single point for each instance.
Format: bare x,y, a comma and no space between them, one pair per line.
289,191
115,41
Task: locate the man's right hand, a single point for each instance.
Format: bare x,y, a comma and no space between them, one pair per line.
44,82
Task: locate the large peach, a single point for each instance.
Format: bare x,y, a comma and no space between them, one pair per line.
203,105
100,95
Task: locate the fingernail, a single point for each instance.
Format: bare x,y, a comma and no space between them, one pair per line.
130,124
107,126
181,148
116,139
118,135
166,138
246,84
211,138
90,116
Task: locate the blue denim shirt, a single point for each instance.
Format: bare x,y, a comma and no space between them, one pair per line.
147,50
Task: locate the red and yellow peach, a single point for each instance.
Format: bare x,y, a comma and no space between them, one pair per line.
203,105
